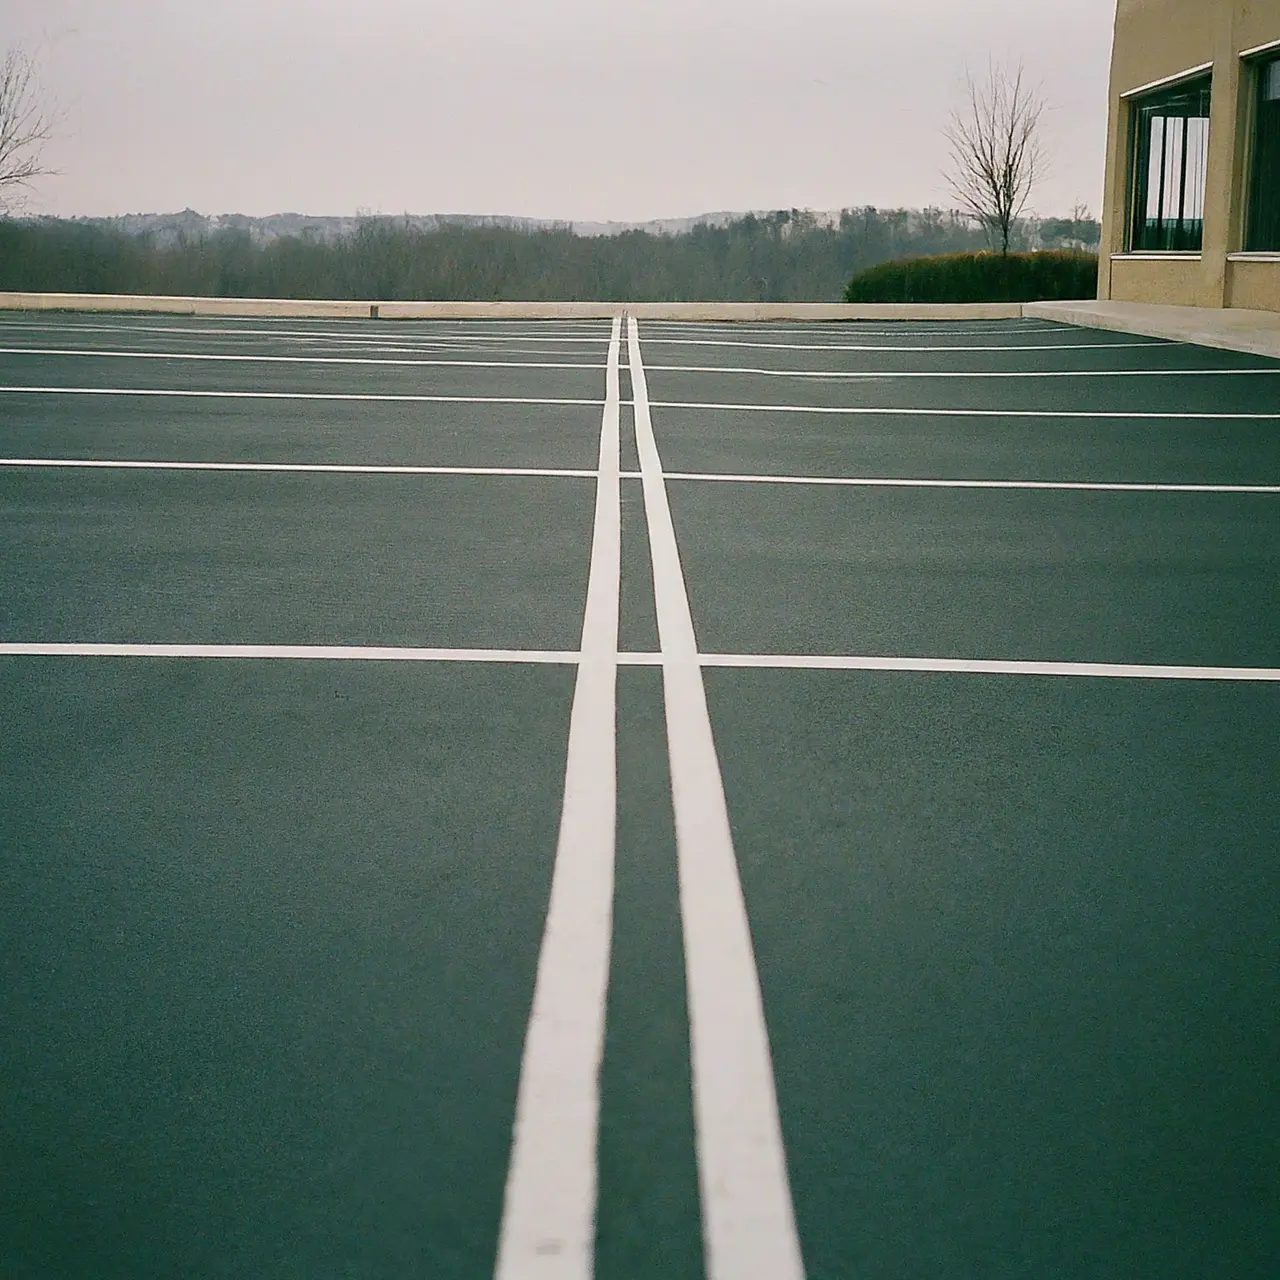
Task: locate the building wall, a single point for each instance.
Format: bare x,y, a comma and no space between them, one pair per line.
1155,40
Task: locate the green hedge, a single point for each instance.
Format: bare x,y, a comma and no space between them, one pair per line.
979,277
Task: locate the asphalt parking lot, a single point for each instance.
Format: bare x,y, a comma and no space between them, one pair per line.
542,798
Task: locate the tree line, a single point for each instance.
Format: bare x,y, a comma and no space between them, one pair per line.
788,256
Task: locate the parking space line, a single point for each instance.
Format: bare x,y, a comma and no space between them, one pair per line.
814,346
569,658
548,1221
891,411
876,482
111,464
290,653
748,1219
243,358
908,330
982,667
847,375
184,393
360,337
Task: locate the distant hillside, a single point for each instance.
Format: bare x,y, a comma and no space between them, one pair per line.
170,229
786,256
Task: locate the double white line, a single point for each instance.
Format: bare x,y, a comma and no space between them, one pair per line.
748,1223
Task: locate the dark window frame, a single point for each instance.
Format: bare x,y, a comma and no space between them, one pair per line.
1168,187
1262,223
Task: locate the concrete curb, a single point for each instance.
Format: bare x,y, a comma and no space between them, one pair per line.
301,309
161,305
1256,332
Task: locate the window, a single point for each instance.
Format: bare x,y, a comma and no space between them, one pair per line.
1264,190
1171,155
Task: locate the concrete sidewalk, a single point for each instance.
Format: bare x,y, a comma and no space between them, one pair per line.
1230,329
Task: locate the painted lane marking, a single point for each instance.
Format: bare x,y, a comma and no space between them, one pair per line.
889,411
748,1220
752,661
1085,486
242,358
548,1220
814,346
291,652
845,375
357,337
291,395
905,329
888,324
304,467
982,667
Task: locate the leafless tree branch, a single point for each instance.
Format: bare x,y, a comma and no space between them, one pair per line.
25,126
996,156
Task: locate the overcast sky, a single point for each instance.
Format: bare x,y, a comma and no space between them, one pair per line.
575,109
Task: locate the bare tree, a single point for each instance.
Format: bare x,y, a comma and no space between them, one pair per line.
996,153
25,126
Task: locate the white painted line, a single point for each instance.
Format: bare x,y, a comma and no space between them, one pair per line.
290,652
183,393
357,337
242,358
892,412
980,667
111,464
1086,486
846,375
954,347
748,1221
548,1219
909,330
567,658
411,339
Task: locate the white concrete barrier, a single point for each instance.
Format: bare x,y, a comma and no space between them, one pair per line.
160,304
297,309
1234,330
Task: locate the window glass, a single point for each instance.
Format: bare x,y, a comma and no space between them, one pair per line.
1171,159
1264,189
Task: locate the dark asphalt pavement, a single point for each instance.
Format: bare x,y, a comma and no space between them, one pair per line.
272,927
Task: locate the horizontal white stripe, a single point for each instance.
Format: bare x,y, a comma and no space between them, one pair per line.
849,375
240,358
980,667
297,652
953,347
335,468
355,337
860,328
292,395
414,338
851,482
757,661
890,411
881,483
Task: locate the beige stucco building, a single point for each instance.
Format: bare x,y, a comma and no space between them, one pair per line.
1192,204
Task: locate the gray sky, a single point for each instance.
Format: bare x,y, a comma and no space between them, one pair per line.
577,109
